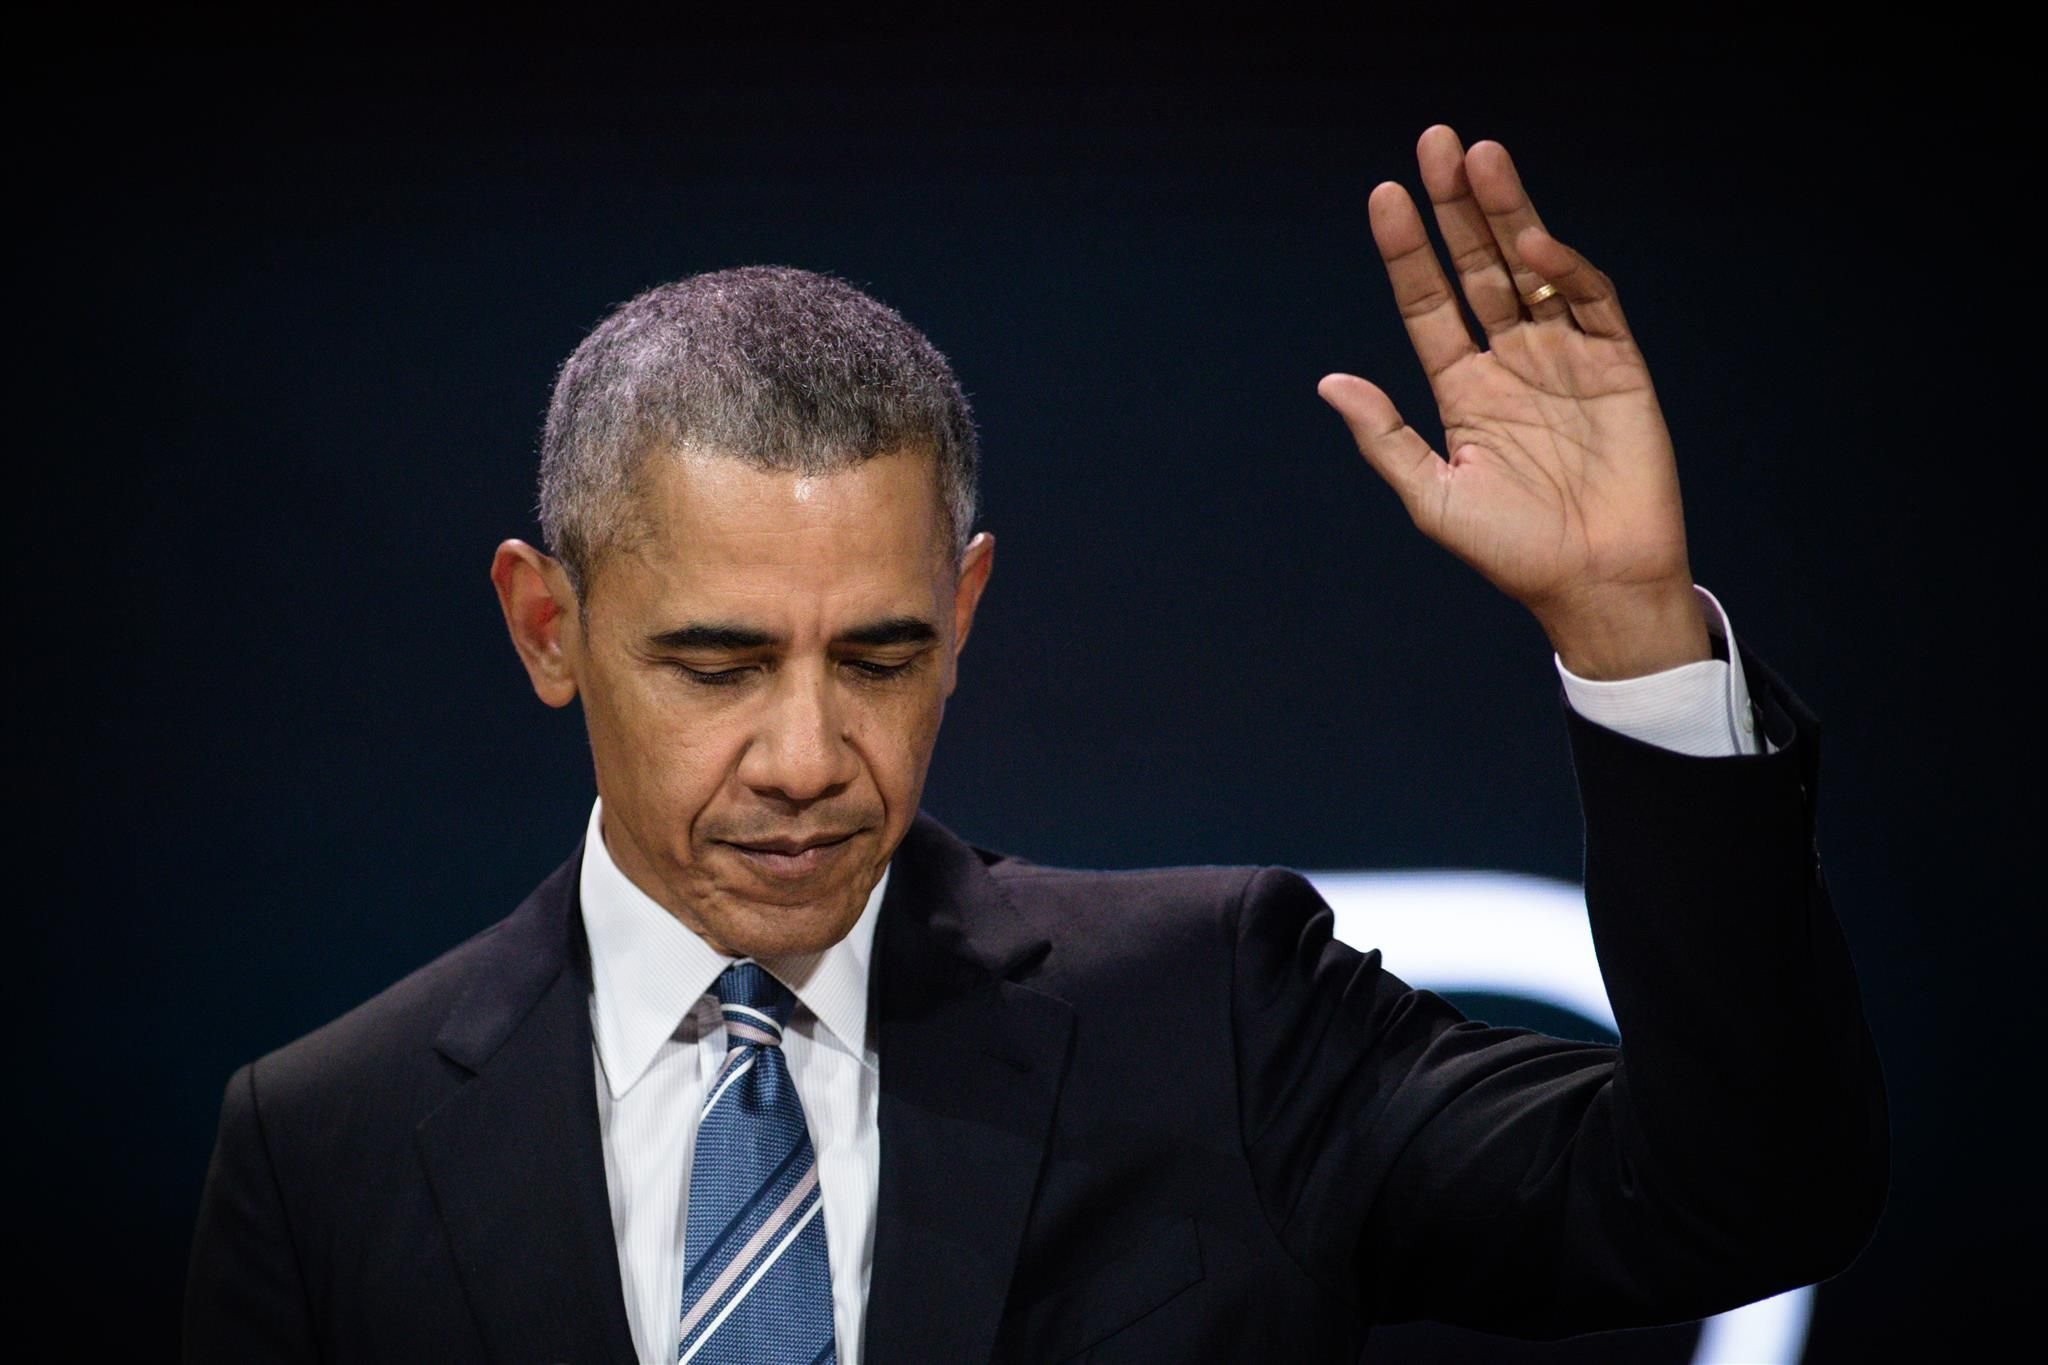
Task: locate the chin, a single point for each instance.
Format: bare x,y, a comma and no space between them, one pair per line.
758,930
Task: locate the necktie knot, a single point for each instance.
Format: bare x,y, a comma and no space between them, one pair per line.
755,1005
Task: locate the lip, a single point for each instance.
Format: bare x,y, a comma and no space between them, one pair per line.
786,859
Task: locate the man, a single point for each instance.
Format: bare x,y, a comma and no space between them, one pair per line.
775,1068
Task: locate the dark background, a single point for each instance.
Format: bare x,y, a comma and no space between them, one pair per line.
286,320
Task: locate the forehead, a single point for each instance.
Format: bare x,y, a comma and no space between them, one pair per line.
712,525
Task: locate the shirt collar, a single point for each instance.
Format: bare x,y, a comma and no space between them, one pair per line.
648,969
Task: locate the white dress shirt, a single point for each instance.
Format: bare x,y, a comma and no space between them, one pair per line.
660,1040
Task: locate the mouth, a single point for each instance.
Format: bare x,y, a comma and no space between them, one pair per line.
787,859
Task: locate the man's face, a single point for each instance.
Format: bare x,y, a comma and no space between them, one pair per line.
763,677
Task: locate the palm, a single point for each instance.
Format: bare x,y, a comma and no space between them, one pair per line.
1560,482
1534,496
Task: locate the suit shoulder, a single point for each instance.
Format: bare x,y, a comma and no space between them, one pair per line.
1205,882
1195,885
1119,906
1175,915
403,1016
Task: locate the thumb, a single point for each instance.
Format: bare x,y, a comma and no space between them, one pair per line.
1389,444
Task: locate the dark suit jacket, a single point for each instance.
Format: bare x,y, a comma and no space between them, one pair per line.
1132,1116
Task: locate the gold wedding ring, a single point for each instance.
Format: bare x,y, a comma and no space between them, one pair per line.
1534,297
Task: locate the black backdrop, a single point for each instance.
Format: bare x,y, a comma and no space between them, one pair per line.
286,321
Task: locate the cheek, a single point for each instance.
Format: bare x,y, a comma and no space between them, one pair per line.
898,735
669,754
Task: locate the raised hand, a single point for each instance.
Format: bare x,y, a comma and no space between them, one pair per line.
1561,486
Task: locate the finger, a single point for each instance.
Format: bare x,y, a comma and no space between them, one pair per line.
1392,447
1429,310
1590,294
1475,255
1498,188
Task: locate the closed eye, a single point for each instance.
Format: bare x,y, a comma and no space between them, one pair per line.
723,677
872,669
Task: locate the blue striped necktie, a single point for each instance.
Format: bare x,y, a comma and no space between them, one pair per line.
757,1288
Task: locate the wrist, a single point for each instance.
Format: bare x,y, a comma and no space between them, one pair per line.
1631,634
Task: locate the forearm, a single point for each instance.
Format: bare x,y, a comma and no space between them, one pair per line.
1733,1147
1753,1097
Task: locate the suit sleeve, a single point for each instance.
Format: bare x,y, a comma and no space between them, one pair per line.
1735,1145
244,1297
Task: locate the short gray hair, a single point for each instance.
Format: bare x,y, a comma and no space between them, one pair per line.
785,369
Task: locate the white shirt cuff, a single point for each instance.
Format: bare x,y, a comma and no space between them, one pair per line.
1701,709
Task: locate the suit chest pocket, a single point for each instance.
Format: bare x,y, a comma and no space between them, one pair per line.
1076,1316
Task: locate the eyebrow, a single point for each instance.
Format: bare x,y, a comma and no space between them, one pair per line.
713,636
896,630
717,635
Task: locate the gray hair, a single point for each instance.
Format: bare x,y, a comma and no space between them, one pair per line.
785,369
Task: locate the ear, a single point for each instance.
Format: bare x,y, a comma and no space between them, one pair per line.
975,565
540,612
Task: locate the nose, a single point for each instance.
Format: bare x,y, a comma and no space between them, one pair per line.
801,752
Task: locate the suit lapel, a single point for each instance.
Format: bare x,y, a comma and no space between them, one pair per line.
514,1156
971,1065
